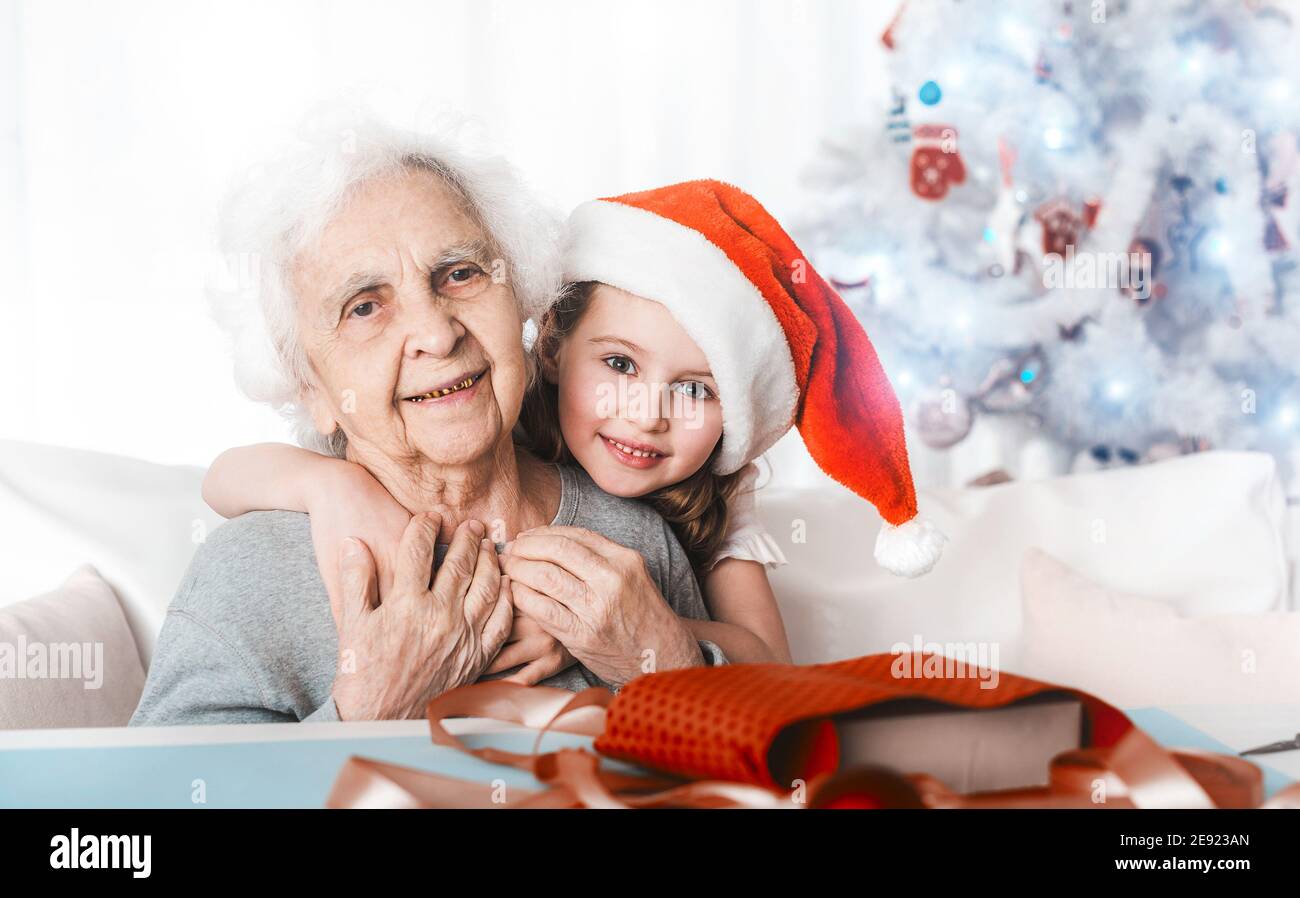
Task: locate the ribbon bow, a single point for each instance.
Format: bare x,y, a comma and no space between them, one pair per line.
1122,767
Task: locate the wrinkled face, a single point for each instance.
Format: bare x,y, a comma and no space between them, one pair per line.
639,407
415,351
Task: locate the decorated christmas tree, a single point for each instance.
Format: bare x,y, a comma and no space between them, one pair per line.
1083,213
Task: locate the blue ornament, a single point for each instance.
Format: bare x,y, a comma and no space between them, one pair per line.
930,93
1221,185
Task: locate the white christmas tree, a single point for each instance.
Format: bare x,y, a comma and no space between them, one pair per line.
1087,213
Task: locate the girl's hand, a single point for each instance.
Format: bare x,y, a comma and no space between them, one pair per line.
347,501
597,598
541,653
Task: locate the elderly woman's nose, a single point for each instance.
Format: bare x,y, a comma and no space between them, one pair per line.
433,329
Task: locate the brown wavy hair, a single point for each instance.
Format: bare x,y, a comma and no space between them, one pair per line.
695,508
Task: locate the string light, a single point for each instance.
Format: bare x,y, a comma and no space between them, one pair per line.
1117,390
1219,246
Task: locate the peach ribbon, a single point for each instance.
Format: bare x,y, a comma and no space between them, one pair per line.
1135,772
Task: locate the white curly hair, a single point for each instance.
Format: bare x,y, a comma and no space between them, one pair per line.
278,209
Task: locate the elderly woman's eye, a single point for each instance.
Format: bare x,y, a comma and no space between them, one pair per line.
693,389
363,309
621,363
462,277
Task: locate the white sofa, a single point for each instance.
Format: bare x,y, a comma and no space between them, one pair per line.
1208,533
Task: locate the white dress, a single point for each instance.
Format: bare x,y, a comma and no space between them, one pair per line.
747,538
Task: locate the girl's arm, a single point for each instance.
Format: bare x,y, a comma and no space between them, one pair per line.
342,498
264,477
746,622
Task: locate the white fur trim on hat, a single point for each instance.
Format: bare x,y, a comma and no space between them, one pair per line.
721,309
910,549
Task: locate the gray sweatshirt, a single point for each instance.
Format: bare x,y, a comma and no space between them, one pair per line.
249,636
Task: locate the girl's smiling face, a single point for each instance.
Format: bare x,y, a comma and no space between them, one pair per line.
639,407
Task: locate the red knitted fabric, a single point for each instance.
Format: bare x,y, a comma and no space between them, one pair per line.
725,722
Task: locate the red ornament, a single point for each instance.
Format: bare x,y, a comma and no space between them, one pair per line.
888,37
1061,226
936,164
1091,209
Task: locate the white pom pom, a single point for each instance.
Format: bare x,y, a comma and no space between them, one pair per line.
911,548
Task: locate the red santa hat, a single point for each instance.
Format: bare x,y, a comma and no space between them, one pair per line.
782,345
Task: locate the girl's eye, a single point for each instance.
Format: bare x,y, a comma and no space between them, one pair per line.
363,309
621,363
693,389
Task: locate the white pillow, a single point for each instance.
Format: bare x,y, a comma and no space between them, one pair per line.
137,522
67,658
1134,652
1202,531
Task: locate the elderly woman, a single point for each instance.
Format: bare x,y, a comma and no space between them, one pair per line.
394,276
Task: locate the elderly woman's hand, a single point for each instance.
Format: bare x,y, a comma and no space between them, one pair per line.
396,656
597,598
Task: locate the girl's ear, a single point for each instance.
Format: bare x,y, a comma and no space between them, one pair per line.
548,348
547,362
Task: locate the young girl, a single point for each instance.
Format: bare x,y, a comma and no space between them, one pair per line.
693,335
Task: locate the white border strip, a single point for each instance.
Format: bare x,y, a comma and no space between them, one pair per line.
219,734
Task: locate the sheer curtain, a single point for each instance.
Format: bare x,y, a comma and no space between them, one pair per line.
123,121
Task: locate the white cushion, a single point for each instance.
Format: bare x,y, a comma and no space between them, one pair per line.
1293,545
1202,531
138,523
1137,652
67,658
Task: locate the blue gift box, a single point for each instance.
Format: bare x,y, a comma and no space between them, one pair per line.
246,768
257,773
